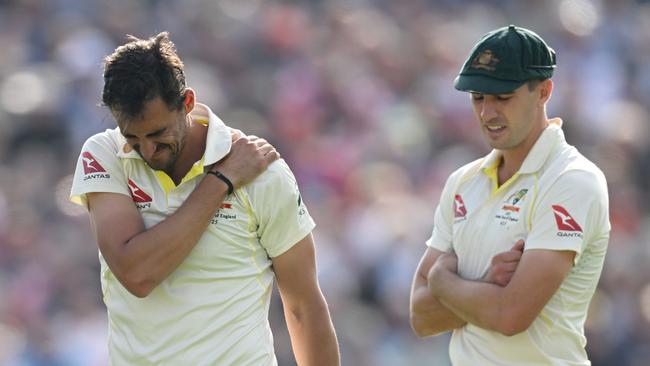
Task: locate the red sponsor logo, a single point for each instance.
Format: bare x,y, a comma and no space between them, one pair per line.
510,208
138,194
459,207
226,205
564,220
91,165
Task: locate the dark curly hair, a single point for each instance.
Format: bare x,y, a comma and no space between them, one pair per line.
140,71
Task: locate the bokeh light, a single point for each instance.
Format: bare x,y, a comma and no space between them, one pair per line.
579,17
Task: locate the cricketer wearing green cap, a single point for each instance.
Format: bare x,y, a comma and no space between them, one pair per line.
520,235
505,59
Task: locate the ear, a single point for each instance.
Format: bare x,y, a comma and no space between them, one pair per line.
545,89
189,100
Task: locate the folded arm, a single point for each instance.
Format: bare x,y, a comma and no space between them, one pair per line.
429,316
510,309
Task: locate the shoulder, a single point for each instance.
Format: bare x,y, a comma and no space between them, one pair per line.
110,139
465,173
575,171
277,176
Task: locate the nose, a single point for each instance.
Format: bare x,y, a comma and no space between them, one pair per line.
488,110
147,149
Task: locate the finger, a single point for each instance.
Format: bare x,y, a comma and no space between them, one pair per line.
509,256
504,280
265,149
509,267
261,142
519,245
272,156
236,134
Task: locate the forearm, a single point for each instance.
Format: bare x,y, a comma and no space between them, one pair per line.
480,303
312,334
429,316
150,256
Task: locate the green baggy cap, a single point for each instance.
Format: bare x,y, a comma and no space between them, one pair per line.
504,59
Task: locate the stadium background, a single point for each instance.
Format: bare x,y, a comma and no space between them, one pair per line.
358,98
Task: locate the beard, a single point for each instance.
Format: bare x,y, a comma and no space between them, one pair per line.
170,155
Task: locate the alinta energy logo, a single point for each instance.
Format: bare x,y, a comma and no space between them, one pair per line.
225,212
140,198
566,224
460,211
92,168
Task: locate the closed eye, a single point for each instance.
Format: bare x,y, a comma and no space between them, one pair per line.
151,134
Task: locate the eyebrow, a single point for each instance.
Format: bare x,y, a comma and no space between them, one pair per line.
152,134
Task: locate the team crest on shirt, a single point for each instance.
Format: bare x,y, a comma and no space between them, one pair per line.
141,199
92,168
510,210
566,224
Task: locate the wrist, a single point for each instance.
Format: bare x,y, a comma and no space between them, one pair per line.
225,180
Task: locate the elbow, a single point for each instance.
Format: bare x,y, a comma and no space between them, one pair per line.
514,325
136,286
420,328
139,290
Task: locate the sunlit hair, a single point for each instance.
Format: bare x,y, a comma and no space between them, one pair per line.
140,71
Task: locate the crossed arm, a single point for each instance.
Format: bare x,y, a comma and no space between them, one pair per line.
507,300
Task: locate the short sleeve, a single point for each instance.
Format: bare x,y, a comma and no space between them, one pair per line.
572,212
282,215
441,237
98,170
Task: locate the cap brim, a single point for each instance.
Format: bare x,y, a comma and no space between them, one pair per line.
485,85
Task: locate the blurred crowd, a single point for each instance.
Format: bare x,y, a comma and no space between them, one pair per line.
358,97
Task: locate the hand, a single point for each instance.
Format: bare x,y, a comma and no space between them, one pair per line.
504,265
248,157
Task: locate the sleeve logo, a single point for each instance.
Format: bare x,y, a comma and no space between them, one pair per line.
91,165
564,220
92,168
459,207
139,196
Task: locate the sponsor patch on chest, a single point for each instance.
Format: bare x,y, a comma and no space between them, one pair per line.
226,212
509,211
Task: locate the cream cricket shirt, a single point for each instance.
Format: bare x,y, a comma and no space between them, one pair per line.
557,200
213,309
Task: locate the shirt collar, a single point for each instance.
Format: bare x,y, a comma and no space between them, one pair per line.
218,141
538,155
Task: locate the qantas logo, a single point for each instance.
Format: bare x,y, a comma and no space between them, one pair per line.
459,207
91,165
564,220
138,194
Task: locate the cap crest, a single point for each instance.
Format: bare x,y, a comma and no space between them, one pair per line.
485,60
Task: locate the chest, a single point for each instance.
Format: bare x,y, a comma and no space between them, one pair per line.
230,238
488,221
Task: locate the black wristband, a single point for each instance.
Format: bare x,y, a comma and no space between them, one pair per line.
218,174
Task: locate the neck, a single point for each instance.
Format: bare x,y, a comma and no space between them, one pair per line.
193,150
512,159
